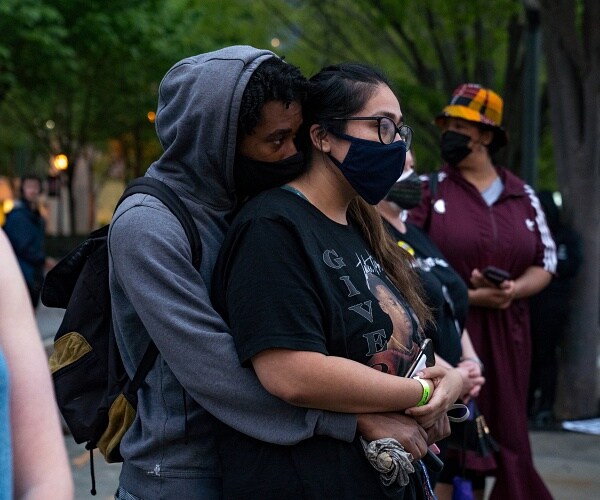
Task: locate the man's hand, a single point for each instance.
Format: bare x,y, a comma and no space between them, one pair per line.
402,428
439,430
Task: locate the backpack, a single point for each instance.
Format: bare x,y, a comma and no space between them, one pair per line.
96,398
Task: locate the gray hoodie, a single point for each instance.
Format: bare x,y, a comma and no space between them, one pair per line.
156,293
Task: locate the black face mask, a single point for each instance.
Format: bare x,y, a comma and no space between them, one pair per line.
371,167
253,176
406,193
455,147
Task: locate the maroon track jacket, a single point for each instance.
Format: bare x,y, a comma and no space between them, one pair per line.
512,234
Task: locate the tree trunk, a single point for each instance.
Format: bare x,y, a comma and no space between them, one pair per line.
574,94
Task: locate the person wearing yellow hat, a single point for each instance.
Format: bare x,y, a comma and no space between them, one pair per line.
491,228
477,105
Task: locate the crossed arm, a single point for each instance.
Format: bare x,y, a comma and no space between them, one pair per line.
333,383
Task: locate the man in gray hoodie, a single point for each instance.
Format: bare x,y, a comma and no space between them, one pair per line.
170,451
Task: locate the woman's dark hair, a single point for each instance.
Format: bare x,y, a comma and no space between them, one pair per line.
396,261
341,91
273,80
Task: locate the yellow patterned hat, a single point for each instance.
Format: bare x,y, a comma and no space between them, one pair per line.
474,103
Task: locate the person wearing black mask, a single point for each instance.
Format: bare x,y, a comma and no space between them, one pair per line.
491,228
270,115
445,292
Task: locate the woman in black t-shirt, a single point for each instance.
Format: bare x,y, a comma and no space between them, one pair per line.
445,292
298,279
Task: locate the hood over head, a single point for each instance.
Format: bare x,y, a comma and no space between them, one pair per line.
196,122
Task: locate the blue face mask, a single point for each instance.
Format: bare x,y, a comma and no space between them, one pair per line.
370,167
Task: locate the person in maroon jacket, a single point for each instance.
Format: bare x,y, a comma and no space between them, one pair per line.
482,215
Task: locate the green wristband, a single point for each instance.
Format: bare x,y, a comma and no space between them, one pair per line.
426,392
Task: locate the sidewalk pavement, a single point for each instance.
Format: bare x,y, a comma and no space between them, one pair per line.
568,462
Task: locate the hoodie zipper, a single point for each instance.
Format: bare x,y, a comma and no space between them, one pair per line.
155,472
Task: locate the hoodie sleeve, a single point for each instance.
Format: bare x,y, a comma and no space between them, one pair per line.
151,262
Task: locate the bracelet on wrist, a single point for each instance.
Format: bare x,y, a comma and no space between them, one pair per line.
427,392
474,360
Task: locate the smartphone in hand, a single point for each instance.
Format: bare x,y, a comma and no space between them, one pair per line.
495,275
424,358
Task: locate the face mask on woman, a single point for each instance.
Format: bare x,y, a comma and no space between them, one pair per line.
406,192
370,167
253,176
455,147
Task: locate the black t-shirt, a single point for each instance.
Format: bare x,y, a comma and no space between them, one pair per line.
289,277
446,293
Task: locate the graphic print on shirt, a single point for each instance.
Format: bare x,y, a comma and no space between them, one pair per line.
426,264
390,348
401,349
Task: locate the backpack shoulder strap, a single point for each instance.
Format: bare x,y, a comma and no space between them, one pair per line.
433,185
433,182
159,190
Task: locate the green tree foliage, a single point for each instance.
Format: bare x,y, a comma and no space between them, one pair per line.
427,48
31,43
96,76
78,72
75,72
93,68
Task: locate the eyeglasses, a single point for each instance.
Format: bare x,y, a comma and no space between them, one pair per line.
386,128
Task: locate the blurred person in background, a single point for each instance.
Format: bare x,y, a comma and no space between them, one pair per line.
550,315
33,458
483,215
25,228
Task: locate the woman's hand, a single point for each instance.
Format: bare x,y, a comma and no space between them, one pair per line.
472,379
486,294
448,388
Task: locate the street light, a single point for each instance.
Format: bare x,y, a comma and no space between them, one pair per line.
60,162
